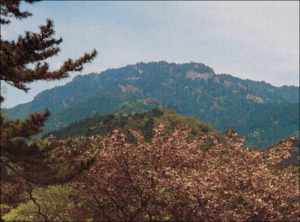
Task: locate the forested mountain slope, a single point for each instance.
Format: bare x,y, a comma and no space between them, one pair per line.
265,112
62,97
112,100
161,73
144,122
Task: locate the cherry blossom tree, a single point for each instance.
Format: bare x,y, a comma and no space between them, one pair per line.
173,179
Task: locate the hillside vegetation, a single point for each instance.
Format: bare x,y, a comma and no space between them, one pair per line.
144,122
258,109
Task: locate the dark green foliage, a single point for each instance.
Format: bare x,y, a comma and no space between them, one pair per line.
193,89
144,122
270,122
148,129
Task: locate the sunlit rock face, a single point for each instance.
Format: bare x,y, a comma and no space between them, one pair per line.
255,98
191,74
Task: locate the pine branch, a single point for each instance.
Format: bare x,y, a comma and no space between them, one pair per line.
11,9
34,162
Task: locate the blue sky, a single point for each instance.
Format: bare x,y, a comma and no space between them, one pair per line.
250,40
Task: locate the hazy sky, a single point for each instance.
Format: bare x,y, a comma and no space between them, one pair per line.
250,40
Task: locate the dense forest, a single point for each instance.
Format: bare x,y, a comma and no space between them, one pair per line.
144,122
258,109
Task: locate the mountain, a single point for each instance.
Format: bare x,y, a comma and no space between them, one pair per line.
62,97
264,112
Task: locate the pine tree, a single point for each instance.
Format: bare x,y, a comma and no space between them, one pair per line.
22,162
